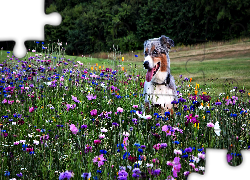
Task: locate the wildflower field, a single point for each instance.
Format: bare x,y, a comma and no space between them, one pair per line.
65,119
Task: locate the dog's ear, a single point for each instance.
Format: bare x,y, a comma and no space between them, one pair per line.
166,42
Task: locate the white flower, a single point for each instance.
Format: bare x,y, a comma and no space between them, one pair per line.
177,152
201,168
202,156
139,162
47,83
35,142
22,141
201,107
196,159
103,130
101,136
217,128
129,167
125,134
30,135
149,165
13,123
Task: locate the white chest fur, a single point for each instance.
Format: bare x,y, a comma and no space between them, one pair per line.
158,94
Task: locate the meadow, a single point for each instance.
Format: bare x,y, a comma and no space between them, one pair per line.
81,117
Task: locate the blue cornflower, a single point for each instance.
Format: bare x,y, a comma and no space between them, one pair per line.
184,156
102,151
6,173
140,150
125,155
233,115
178,113
167,113
137,144
176,142
136,165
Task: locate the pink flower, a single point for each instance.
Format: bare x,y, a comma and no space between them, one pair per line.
170,178
192,165
169,163
73,129
4,101
99,159
16,143
167,130
125,143
69,106
31,109
176,166
157,146
135,106
93,112
210,124
119,109
10,102
98,141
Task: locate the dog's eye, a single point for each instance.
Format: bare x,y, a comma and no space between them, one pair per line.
154,52
146,53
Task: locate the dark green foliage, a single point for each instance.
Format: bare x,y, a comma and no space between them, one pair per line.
95,25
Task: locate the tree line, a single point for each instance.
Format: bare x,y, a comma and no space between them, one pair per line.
90,26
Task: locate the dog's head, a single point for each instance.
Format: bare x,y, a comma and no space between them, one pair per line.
157,61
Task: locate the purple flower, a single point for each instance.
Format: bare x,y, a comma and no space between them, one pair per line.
134,175
188,149
115,124
163,145
181,99
122,174
19,175
205,98
86,175
75,99
229,157
136,171
66,175
84,126
218,103
157,172
91,97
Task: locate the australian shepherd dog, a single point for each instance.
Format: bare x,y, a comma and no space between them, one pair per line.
159,87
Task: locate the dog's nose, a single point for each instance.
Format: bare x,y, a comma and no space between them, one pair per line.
146,64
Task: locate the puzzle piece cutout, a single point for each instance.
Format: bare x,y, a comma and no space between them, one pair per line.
29,16
32,33
218,168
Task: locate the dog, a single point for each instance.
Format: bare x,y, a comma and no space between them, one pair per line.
159,87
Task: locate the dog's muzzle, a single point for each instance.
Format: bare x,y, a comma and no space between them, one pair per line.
146,65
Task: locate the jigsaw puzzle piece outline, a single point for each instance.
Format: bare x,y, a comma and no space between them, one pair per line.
217,162
31,19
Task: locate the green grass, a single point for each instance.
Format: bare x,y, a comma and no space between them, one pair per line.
214,72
